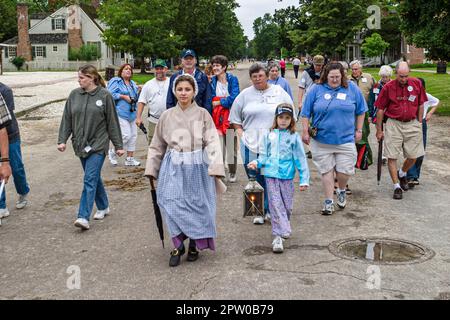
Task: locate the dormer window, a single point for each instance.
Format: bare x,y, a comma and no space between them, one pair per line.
58,24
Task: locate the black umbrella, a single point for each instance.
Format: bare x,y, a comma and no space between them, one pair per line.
157,211
142,127
380,158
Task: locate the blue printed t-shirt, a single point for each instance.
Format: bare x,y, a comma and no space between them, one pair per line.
336,125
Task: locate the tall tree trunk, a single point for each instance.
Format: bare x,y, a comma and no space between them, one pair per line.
143,65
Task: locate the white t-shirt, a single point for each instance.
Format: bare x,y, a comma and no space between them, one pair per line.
254,110
154,95
296,62
222,89
432,102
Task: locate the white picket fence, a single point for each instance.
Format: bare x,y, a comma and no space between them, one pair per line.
37,65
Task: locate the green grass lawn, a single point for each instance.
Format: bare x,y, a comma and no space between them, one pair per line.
142,78
436,84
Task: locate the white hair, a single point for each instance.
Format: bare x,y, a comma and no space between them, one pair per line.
356,63
385,71
344,64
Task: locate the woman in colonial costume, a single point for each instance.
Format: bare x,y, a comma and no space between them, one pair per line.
185,157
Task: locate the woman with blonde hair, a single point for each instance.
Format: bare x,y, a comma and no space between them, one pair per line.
91,119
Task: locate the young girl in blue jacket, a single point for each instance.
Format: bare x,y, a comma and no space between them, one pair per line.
282,152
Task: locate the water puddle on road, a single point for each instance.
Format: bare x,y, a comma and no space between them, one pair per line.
381,251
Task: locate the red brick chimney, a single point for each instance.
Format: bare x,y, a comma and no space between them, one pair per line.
23,43
74,27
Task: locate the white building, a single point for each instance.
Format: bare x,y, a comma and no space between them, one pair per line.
51,36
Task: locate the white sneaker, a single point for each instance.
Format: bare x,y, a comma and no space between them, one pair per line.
258,220
286,236
112,157
341,199
267,217
4,213
277,245
100,214
82,223
232,178
22,202
130,161
328,208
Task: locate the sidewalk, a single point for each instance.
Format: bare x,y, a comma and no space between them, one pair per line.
35,89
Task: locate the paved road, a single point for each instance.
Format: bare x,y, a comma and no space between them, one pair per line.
122,258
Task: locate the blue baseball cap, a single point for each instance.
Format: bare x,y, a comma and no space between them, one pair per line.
188,52
284,108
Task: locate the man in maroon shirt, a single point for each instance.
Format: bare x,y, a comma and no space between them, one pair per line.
401,102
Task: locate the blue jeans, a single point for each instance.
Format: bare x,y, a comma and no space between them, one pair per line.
93,189
18,172
414,172
247,157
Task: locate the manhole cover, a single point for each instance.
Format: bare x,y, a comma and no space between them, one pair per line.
381,251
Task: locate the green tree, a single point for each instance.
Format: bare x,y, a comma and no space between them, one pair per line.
8,19
426,24
374,46
210,27
331,25
288,19
266,41
143,28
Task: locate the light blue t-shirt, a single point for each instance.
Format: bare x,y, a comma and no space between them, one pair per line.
336,125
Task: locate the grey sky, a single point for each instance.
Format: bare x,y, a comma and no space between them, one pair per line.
249,10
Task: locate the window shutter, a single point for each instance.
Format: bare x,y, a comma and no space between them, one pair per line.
63,24
6,52
34,52
53,24
44,51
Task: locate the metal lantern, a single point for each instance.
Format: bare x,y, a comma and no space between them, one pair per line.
253,198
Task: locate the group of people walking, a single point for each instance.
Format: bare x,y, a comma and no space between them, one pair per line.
195,125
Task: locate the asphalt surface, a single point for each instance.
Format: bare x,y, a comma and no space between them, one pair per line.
43,256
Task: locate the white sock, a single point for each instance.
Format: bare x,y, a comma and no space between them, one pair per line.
339,190
396,186
401,173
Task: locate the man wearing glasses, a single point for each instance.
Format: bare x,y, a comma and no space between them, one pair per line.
401,102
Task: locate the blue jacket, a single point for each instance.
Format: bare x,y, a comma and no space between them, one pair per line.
282,152
116,86
233,90
203,97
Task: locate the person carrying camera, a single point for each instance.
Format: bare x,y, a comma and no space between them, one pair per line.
125,93
337,108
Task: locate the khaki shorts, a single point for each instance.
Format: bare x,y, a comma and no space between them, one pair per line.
340,157
403,138
151,131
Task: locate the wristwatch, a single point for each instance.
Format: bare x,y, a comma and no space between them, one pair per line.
4,159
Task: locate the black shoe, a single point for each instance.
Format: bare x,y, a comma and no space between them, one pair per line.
347,190
411,184
192,254
175,257
403,182
398,194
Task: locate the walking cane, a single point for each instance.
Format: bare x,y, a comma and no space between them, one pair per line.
380,158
